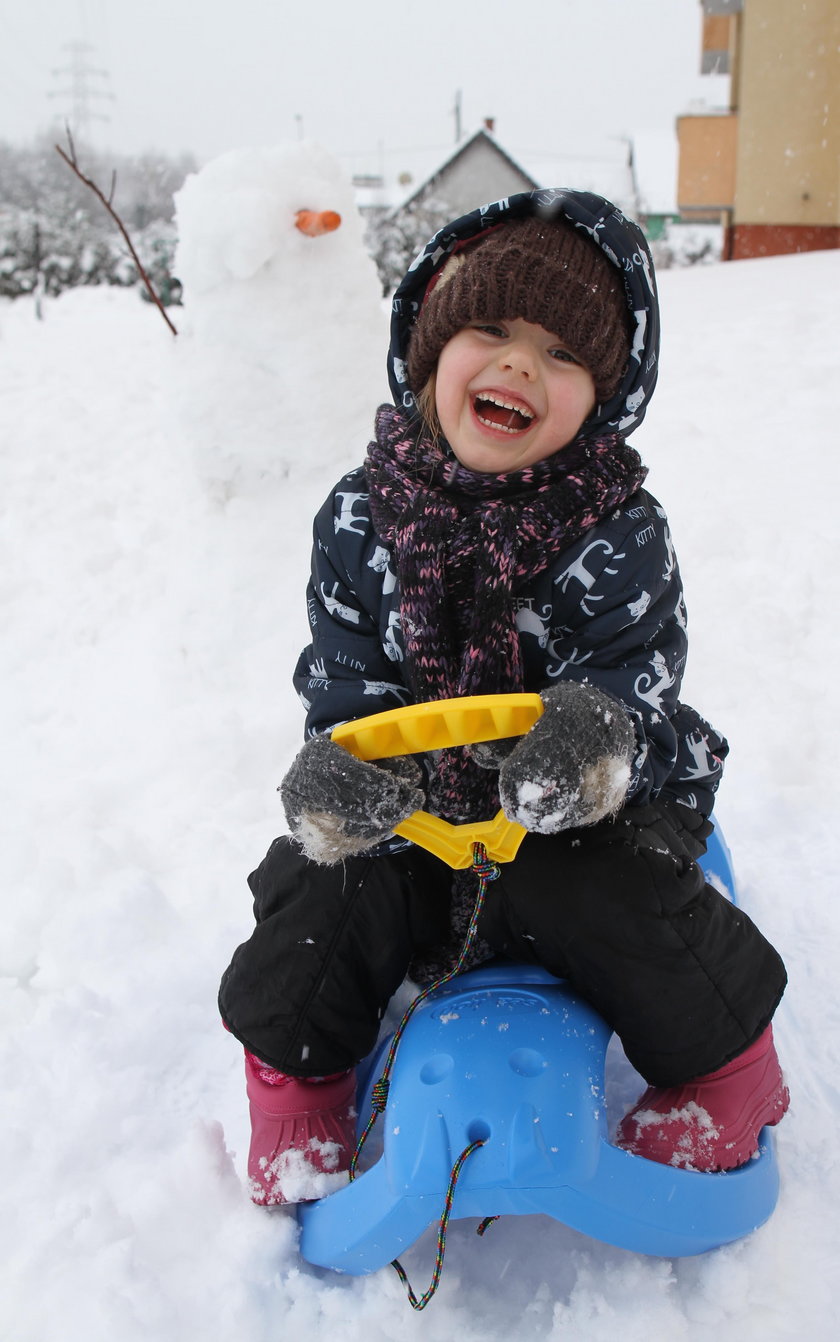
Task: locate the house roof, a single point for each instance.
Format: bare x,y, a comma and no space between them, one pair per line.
600,164
459,151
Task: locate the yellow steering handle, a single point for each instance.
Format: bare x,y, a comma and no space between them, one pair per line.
419,728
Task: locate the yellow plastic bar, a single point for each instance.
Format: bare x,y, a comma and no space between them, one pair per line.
439,726
453,844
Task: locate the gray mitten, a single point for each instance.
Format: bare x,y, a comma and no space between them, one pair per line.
338,806
573,766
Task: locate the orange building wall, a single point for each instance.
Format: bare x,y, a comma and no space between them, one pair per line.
771,165
706,181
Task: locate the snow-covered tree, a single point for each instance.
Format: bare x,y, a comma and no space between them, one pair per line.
394,237
55,234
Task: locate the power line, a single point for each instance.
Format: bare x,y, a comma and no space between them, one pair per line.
81,91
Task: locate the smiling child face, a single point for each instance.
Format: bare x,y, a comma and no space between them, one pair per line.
509,394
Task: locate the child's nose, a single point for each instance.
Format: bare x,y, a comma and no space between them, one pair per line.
518,356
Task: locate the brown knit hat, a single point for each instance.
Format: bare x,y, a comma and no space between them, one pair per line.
548,273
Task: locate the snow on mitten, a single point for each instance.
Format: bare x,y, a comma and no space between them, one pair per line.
573,766
338,806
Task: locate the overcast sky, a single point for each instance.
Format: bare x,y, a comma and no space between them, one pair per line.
373,80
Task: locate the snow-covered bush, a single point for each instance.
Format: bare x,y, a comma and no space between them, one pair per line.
55,234
685,244
394,237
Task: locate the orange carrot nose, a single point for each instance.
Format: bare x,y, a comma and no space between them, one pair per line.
314,223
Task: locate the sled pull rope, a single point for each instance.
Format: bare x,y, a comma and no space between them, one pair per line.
486,871
423,1300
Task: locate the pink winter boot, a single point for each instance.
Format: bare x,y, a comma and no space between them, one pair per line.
303,1133
712,1122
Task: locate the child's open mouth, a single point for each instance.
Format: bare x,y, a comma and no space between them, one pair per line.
500,414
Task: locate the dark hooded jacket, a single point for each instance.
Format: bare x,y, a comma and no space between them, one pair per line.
609,610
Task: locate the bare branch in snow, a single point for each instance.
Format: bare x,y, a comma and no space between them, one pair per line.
72,162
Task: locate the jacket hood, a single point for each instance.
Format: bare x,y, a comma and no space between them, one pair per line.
621,241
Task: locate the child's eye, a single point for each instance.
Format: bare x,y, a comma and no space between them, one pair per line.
563,356
490,329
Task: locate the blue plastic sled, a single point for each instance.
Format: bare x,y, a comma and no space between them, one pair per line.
510,1054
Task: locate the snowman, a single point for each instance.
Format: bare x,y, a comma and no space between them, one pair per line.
280,359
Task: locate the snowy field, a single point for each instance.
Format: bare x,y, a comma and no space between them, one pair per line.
152,608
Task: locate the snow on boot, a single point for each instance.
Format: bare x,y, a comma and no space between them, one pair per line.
712,1122
303,1133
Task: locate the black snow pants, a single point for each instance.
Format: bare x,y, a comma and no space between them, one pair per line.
620,909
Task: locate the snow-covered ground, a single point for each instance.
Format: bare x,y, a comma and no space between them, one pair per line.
150,621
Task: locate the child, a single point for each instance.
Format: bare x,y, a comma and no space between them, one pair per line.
498,538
